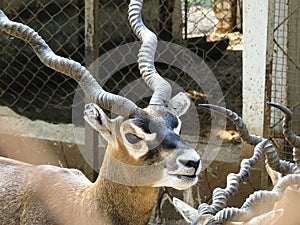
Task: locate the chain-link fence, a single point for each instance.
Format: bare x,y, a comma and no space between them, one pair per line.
210,29
285,69
27,86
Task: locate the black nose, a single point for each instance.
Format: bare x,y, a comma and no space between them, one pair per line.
190,163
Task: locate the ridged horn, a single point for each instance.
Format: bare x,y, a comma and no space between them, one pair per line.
162,89
252,206
220,196
92,89
289,135
275,163
258,203
238,122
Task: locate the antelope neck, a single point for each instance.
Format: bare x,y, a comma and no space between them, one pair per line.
121,203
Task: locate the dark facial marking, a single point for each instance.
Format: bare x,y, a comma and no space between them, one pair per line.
152,154
143,122
170,120
132,139
163,126
170,140
150,126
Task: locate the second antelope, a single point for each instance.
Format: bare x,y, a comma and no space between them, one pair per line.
144,149
278,206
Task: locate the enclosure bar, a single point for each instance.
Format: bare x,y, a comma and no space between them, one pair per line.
255,25
257,67
91,54
269,67
185,18
265,180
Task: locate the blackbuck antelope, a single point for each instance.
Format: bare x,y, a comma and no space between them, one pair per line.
278,206
144,149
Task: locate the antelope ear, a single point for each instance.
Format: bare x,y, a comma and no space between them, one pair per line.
274,175
188,212
179,104
98,120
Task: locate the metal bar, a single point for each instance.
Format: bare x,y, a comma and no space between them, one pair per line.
91,54
185,18
254,67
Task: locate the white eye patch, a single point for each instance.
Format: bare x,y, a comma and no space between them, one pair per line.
135,140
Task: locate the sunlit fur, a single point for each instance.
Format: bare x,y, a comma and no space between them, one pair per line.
160,145
126,188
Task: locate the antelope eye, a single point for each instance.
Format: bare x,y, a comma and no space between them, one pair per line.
132,139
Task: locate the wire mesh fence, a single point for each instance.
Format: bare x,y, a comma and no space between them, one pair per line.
211,29
27,86
285,69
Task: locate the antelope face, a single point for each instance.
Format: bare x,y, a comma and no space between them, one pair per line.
151,137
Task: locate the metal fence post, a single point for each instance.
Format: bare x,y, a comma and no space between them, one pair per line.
256,72
255,62
91,54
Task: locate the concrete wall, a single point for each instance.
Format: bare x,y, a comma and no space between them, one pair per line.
39,142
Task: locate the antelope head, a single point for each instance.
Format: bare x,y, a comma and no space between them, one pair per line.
149,137
137,137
